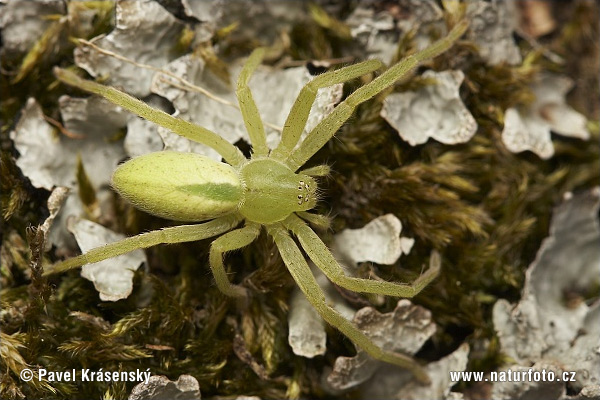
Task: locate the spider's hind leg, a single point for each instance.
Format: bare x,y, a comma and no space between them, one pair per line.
322,257
300,271
174,234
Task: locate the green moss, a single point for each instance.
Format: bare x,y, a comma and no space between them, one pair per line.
487,211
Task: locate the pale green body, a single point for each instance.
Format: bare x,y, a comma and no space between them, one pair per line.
272,191
192,187
179,186
263,191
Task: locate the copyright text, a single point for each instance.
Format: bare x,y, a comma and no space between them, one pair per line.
85,375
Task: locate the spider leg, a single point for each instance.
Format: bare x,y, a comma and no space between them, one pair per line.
296,120
330,124
175,234
319,170
300,271
252,120
316,220
322,257
229,152
230,241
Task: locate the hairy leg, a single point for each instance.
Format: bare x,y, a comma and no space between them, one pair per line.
322,257
175,234
316,220
319,170
296,120
230,241
300,271
252,120
330,124
229,152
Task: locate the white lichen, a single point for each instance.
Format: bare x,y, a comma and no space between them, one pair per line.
146,33
49,158
550,325
274,92
492,25
528,128
379,32
113,278
394,383
22,22
404,330
306,328
379,241
159,387
435,111
55,202
375,32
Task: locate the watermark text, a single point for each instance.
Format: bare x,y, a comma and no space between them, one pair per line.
85,375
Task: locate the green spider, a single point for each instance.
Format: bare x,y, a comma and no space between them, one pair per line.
263,191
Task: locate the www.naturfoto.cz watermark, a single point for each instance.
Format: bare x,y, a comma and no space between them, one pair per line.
509,375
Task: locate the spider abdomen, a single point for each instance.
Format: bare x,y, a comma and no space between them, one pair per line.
179,186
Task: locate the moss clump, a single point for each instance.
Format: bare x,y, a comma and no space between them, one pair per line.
485,209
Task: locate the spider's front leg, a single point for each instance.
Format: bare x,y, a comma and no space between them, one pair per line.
175,234
252,120
332,123
322,257
186,129
300,271
296,120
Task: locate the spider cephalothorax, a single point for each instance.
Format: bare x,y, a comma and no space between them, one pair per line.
272,191
263,191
